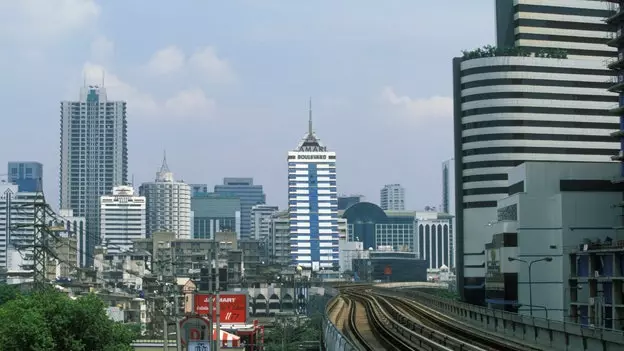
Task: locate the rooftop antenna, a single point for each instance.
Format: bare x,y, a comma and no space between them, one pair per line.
103,76
84,79
310,116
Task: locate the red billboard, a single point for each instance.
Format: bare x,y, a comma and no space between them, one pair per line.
233,307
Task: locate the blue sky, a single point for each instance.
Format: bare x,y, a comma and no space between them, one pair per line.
223,85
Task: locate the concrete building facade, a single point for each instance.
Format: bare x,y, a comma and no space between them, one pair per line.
213,213
94,155
551,208
122,219
250,194
168,204
540,96
261,221
392,197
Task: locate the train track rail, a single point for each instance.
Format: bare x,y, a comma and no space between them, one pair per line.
401,324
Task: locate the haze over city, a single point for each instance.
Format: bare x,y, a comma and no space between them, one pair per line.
223,86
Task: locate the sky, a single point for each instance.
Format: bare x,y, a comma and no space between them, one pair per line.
223,86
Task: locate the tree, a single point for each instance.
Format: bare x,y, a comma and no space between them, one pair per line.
49,320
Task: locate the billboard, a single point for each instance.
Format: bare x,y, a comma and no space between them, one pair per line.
233,307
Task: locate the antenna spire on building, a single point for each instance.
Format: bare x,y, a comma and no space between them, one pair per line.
164,168
310,116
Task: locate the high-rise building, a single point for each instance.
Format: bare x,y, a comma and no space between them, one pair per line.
122,219
214,213
448,204
539,96
313,204
27,175
94,155
392,198
168,204
261,221
249,195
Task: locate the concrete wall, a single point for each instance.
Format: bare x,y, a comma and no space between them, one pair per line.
551,335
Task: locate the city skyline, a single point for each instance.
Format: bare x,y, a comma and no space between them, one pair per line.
408,116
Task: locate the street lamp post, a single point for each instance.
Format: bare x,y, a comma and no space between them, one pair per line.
530,263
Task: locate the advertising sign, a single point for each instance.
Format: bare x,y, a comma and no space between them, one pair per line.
388,270
233,307
194,329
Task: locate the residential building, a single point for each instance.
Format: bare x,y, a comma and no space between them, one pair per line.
213,213
392,197
122,219
346,201
94,155
27,175
539,96
168,204
249,195
279,241
552,210
313,204
261,221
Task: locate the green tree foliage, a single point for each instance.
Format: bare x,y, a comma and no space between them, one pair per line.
50,320
287,335
493,51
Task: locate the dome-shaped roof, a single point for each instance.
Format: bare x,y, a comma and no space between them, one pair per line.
444,267
365,212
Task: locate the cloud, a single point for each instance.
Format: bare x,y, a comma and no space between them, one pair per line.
190,103
117,89
43,20
207,62
102,49
419,108
166,61
204,63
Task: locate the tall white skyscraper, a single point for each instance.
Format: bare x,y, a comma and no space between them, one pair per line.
261,221
94,155
122,219
392,197
168,204
313,204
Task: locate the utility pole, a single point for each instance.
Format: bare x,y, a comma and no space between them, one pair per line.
218,302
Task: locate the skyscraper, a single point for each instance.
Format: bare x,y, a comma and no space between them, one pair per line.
392,197
313,204
249,195
27,175
94,155
539,96
122,219
448,204
168,204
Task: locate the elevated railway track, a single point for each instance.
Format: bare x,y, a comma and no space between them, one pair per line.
375,320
